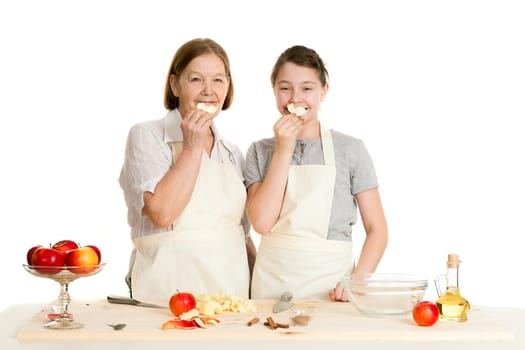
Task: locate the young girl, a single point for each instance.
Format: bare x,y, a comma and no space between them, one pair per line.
304,188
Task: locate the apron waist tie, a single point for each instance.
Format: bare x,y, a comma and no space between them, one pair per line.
317,244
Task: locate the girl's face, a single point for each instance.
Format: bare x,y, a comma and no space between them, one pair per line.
302,87
203,81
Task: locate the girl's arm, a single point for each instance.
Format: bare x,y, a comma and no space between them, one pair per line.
374,222
265,198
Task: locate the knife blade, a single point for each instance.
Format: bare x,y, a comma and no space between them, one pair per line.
117,299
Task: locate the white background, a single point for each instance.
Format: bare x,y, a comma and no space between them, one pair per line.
436,90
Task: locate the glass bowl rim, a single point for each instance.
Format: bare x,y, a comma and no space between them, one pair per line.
360,279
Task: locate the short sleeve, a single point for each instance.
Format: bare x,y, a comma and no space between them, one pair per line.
252,171
362,175
146,162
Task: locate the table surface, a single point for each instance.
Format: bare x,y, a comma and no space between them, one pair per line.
332,324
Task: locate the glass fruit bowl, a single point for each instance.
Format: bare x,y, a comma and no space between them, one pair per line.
385,294
64,275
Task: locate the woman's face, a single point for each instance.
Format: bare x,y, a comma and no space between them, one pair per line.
203,81
301,86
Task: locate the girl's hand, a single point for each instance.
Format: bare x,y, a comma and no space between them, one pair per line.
338,293
286,130
195,129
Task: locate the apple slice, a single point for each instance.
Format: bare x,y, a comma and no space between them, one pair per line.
298,110
206,108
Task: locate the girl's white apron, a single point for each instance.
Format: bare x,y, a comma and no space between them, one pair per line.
206,251
296,255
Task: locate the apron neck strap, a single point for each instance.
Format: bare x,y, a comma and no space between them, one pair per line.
176,149
328,146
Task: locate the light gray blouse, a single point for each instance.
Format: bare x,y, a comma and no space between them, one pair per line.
355,173
148,157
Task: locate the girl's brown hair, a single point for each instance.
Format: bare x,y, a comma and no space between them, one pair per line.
304,57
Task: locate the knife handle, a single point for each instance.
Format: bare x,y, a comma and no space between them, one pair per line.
117,299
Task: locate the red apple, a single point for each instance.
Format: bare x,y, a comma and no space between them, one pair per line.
48,260
82,260
95,248
425,313
182,302
30,253
65,245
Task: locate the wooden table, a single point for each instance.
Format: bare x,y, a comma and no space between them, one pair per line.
336,325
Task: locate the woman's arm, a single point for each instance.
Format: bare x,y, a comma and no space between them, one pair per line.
174,190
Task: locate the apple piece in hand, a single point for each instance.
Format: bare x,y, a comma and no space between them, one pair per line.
208,108
298,110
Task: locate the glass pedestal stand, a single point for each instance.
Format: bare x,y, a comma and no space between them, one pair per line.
64,275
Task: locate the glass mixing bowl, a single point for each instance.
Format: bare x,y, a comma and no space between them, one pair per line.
385,294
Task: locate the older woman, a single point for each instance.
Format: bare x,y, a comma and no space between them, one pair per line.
184,189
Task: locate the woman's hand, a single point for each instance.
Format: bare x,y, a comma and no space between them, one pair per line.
338,293
286,130
195,129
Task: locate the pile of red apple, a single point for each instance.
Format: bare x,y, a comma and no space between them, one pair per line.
50,261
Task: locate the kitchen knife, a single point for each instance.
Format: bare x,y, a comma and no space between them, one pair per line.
117,299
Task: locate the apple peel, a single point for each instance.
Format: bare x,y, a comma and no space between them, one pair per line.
188,315
180,324
54,317
210,320
195,322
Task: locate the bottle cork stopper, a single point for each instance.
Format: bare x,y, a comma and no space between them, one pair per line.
453,260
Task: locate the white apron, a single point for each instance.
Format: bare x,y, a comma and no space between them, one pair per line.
206,251
295,255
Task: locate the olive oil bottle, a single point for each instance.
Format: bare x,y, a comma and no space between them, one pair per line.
451,305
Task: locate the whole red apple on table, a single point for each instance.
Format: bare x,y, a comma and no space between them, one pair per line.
65,245
425,313
82,260
47,260
182,302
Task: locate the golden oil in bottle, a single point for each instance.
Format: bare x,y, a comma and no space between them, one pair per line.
451,305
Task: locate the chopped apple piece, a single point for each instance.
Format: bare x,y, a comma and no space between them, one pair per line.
299,110
206,108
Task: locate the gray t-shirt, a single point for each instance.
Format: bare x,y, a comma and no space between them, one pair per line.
355,173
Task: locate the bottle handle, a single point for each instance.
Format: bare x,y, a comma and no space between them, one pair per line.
438,283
